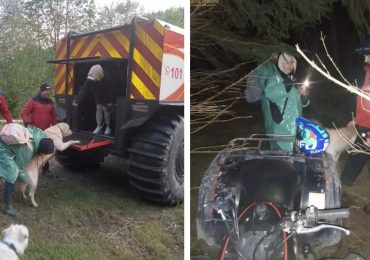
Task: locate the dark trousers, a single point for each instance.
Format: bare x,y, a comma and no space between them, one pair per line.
355,163
8,192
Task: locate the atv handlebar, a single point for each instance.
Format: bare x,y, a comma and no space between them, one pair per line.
314,215
330,214
314,220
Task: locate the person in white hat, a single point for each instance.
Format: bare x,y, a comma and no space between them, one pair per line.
282,99
104,97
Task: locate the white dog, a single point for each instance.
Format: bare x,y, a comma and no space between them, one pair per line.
14,242
340,140
56,132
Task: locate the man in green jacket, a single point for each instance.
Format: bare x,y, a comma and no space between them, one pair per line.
282,99
14,158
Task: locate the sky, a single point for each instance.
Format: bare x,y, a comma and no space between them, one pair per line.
149,5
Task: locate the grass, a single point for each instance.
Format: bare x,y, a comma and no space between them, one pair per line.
97,215
44,250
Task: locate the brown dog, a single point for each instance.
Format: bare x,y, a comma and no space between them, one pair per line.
56,132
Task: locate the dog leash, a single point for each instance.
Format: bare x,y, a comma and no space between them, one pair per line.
11,246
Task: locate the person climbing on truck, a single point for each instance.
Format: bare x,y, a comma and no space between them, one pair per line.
99,81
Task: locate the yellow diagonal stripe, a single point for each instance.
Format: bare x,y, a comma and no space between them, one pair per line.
147,67
140,86
152,46
122,39
60,91
62,54
159,27
91,46
78,46
62,87
60,74
70,79
110,49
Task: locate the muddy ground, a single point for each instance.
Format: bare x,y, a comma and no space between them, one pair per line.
355,198
97,215
327,110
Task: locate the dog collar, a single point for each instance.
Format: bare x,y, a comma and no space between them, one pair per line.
11,246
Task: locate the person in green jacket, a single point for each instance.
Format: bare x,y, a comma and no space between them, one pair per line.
282,99
14,158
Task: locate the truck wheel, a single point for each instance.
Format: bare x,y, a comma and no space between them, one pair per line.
79,161
156,164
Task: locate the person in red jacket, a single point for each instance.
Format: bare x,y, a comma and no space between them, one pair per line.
39,111
5,110
357,161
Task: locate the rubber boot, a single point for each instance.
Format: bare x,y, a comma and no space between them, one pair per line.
8,194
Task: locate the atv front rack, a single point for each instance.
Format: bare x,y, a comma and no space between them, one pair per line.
257,146
257,141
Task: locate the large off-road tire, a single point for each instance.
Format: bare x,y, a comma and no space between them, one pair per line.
79,161
156,164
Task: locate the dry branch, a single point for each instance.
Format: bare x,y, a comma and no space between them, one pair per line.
351,88
354,148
